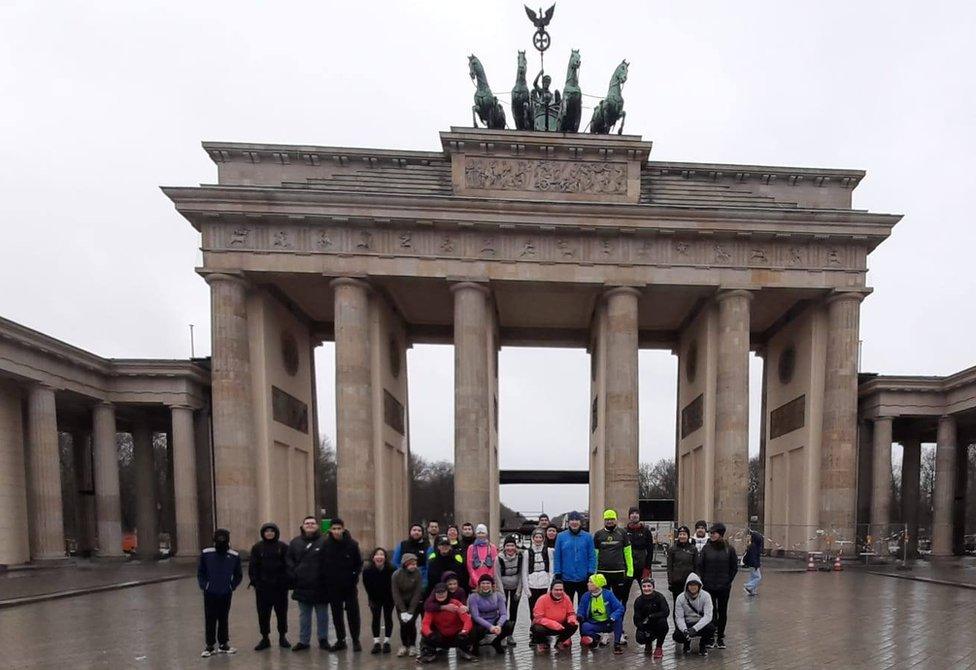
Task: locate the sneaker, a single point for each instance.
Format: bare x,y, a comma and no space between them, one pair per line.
426,658
339,646
703,650
749,592
617,650
586,641
284,643
377,648
686,647
466,655
226,649
604,639
402,651
413,651
659,652
263,644
207,652
720,644
565,644
356,646
301,646
623,639
386,648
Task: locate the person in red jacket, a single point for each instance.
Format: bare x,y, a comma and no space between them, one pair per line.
553,616
445,628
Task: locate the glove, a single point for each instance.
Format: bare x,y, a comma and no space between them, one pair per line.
405,617
692,632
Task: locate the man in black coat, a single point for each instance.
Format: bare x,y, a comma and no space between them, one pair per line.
304,560
718,565
268,572
341,567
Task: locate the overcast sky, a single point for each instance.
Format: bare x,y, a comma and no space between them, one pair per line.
102,102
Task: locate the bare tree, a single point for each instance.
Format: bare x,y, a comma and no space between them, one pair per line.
657,480
754,487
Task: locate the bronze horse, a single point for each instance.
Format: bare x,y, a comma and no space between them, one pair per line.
572,102
521,109
486,106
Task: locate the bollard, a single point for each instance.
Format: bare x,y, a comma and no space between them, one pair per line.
837,566
811,567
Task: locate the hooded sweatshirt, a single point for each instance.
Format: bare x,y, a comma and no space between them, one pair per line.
537,566
693,612
268,569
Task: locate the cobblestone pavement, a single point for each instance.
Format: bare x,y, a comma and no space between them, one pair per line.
800,620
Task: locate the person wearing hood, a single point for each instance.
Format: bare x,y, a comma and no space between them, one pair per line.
641,545
510,575
537,566
600,612
268,574
490,615
651,618
445,628
701,534
341,564
718,565
693,616
753,560
681,561
553,616
444,560
482,557
414,544
574,557
378,582
304,560
218,574
614,557
408,590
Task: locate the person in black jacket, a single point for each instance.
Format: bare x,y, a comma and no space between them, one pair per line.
341,565
218,574
268,572
377,576
444,560
641,546
718,565
682,561
304,560
651,613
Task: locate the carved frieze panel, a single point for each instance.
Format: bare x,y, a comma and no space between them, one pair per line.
554,176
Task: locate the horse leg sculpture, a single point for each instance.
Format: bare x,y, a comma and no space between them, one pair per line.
623,116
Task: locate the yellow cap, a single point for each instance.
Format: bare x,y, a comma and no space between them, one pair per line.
609,514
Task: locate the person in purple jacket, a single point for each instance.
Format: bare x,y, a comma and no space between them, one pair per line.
490,615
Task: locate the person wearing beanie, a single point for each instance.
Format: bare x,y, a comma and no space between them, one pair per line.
414,544
482,557
614,558
490,616
442,561
537,564
445,628
718,565
693,616
701,534
651,618
553,616
378,582
304,560
600,612
574,557
267,572
510,575
408,589
218,575
342,563
682,560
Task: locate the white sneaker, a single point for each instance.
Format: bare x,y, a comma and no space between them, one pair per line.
604,639
623,639
402,651
226,650
413,651
206,653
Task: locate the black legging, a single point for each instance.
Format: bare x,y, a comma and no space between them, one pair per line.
534,595
540,634
386,609
408,630
513,602
575,589
653,632
479,633
720,602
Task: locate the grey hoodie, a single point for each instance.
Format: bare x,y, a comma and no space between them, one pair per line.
694,613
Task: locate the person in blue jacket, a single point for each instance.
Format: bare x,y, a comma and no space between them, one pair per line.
218,574
574,558
600,612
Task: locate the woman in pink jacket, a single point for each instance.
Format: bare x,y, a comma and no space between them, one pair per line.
482,557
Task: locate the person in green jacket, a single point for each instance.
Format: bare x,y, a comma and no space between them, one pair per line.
614,557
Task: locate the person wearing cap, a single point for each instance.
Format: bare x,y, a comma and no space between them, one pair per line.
445,628
600,612
490,615
693,616
651,618
408,589
574,557
482,557
614,557
641,546
701,534
553,616
218,574
718,565
510,575
682,560
444,560
414,544
537,564
454,592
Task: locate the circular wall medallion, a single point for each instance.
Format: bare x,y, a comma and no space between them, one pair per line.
691,361
289,353
394,357
787,364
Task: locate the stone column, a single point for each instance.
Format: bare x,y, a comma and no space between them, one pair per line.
621,409
15,548
204,477
472,428
945,486
147,523
108,507
84,491
881,481
355,458
185,482
46,512
911,466
235,477
731,501
838,453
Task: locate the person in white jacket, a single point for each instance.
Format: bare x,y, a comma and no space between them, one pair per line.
693,616
537,565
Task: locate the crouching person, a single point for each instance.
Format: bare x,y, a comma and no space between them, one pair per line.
600,612
490,615
553,617
693,616
651,618
218,573
445,628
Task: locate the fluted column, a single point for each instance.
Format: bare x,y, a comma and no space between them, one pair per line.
838,452
881,480
185,482
911,466
945,486
731,501
46,513
235,476
147,522
472,430
15,548
108,507
622,425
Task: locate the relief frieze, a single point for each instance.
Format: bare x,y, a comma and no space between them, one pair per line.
503,174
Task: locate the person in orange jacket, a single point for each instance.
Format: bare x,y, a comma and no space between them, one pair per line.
445,628
553,616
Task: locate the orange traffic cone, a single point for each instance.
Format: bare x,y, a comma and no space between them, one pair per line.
811,567
837,566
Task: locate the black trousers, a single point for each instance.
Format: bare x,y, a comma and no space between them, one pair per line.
675,590
216,610
720,604
480,633
539,634
619,583
534,595
513,603
430,644
575,589
652,632
706,634
268,599
343,607
408,630
386,610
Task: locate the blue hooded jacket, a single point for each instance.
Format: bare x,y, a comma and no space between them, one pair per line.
574,558
615,609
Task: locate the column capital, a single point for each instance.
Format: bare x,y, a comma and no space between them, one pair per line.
350,281
234,278
858,294
622,290
730,292
178,405
879,419
107,404
477,286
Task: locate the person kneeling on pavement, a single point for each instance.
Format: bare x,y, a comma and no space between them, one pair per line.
693,616
444,629
600,612
553,616
651,618
490,615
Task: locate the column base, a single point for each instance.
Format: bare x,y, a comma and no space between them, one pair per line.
110,558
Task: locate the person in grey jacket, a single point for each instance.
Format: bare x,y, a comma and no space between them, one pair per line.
509,574
408,588
693,616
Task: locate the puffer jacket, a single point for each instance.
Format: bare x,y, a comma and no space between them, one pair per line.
717,565
268,568
447,623
304,560
341,564
682,559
